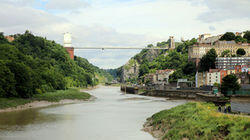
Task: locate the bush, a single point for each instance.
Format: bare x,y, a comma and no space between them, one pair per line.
228,36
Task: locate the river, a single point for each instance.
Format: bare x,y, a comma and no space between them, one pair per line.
112,116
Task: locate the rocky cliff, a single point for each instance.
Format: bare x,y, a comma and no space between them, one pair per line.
130,70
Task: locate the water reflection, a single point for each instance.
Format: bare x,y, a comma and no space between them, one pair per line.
17,120
112,116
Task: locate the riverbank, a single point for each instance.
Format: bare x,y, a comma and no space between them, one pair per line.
196,120
46,99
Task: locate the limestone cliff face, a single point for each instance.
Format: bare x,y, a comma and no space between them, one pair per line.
130,70
150,55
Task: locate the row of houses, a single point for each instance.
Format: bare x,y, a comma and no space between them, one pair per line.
215,76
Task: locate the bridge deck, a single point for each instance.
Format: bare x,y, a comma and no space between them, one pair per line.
108,48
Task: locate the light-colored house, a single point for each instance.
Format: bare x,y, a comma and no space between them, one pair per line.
162,76
213,76
209,78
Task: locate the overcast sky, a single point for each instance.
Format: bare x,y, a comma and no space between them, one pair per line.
123,23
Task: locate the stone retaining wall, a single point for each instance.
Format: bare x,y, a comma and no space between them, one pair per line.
240,104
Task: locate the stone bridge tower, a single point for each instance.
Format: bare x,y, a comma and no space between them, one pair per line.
171,43
68,45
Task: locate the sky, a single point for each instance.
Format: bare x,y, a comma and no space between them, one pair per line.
122,23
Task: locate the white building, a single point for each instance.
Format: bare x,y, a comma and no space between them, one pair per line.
213,76
162,76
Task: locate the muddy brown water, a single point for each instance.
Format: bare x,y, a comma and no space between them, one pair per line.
112,116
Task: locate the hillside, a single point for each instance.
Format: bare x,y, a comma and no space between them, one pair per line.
34,65
148,61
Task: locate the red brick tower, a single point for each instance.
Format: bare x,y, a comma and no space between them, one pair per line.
70,50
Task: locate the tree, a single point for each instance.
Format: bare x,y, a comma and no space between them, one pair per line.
143,69
7,81
230,83
189,68
228,36
2,38
176,75
247,36
24,81
150,46
226,53
240,52
239,39
208,60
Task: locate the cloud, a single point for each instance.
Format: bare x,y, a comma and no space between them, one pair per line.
120,23
221,10
19,2
212,28
71,5
15,18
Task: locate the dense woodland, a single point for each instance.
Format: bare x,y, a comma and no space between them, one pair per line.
34,65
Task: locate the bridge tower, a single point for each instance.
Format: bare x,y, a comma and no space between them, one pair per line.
171,42
68,45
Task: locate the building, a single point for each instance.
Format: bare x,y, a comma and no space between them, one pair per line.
68,45
161,77
232,62
10,38
213,76
184,84
200,79
209,78
150,78
239,34
208,39
198,50
203,37
171,42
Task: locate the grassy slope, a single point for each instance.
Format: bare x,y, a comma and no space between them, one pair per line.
200,121
49,96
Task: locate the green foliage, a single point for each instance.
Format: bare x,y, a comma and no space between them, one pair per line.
31,65
61,95
208,61
162,44
150,46
2,38
199,121
228,36
183,48
7,80
229,83
247,36
189,68
143,69
226,53
239,39
13,102
240,52
49,96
